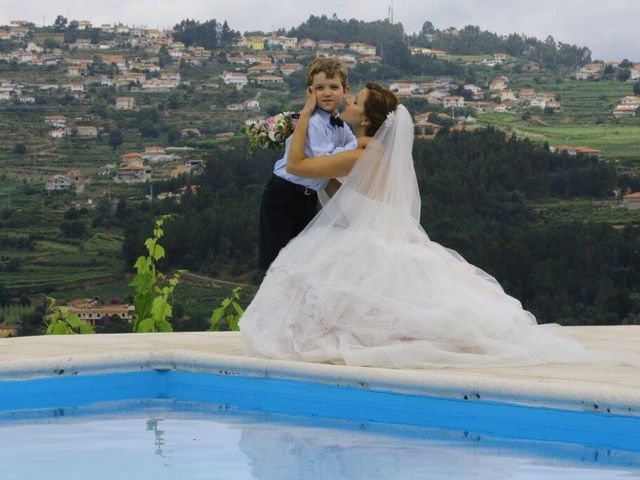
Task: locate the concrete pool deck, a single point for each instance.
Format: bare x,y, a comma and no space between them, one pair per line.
597,388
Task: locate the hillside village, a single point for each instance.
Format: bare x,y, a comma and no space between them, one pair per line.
133,61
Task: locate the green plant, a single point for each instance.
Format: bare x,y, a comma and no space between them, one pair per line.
152,300
230,310
60,322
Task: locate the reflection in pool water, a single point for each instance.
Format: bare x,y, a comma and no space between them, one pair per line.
169,440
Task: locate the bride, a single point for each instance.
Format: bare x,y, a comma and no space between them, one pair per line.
364,285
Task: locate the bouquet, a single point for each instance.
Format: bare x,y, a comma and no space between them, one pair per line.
270,133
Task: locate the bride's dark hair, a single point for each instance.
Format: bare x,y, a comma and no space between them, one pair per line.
380,101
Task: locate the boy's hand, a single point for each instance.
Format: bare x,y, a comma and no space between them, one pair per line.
310,105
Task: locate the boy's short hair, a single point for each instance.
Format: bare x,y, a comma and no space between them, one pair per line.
331,67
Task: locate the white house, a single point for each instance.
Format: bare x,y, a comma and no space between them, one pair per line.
403,88
625,111
235,78
57,133
453,101
58,182
631,100
251,105
362,48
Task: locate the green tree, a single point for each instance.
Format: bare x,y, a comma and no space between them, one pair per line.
60,23
50,44
20,149
623,75
71,32
73,228
115,138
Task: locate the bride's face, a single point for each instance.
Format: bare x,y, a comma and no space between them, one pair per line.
353,113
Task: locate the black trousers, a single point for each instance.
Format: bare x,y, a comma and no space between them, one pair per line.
285,209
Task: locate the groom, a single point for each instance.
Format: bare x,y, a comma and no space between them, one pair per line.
289,202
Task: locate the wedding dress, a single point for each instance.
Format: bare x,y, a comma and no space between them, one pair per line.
364,285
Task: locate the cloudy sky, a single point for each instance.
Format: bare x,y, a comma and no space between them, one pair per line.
608,28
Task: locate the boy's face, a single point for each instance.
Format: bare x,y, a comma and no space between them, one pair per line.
329,92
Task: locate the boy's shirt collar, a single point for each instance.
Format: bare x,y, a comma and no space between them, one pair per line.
326,115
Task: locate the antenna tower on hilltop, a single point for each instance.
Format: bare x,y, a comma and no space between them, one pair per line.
391,12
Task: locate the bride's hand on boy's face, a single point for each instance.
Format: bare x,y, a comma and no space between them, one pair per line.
310,105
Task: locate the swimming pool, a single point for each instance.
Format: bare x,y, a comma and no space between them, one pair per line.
92,407
220,425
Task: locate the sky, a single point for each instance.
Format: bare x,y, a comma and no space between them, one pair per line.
607,28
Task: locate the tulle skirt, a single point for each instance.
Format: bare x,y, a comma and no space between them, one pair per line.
359,296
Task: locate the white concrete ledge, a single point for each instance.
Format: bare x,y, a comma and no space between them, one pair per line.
595,388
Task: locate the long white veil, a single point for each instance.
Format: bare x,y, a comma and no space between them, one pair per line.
382,189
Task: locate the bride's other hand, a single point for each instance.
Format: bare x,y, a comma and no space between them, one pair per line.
310,105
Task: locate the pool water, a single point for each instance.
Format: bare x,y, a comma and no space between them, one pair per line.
165,424
164,439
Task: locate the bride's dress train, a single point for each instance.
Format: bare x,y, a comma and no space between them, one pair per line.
364,285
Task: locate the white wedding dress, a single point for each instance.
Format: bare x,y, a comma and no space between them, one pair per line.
364,285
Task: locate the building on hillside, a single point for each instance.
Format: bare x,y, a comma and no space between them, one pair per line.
181,170
95,314
288,68
498,83
255,43
270,68
133,173
476,91
403,88
125,103
59,121
625,111
631,201
573,151
500,57
57,183
590,71
631,100
83,131
237,79
306,43
190,132
57,133
131,157
267,79
427,51
453,101
362,48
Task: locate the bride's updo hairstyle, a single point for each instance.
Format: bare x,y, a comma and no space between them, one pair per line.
380,102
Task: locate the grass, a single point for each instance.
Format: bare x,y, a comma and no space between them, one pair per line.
614,141
587,210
